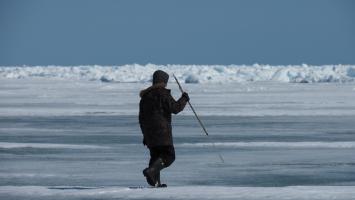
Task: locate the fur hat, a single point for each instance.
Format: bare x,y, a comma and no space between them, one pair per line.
160,76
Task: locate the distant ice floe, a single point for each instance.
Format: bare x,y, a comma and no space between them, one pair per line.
188,73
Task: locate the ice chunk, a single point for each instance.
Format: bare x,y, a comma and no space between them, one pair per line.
351,71
191,79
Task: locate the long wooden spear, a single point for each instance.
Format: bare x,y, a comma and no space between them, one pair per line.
198,119
192,108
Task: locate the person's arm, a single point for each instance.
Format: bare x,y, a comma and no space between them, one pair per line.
179,105
141,122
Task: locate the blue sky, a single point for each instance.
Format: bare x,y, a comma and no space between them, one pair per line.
113,32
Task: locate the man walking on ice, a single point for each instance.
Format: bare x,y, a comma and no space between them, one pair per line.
155,109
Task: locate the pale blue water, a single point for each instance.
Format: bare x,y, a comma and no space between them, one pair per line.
121,162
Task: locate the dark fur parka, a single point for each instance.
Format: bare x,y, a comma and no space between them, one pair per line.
155,109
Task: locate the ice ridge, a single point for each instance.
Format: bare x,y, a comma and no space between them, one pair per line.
188,73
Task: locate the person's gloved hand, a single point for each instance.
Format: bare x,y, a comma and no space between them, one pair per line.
144,142
186,96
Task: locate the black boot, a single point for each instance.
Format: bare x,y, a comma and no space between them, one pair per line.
152,172
149,180
158,180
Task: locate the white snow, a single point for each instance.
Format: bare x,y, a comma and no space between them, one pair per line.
317,145
188,73
49,97
184,192
11,145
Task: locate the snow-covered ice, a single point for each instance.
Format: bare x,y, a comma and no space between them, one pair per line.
285,132
181,192
10,145
48,97
272,144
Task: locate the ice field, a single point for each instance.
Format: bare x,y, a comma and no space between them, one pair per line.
75,135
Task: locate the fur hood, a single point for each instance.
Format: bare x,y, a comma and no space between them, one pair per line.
158,85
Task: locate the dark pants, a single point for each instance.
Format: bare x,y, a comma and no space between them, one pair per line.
166,153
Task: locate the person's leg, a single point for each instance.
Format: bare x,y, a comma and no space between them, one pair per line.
161,157
167,153
152,173
154,155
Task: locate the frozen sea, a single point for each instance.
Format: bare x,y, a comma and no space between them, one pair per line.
63,138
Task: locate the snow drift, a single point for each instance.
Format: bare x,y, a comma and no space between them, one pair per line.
188,73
